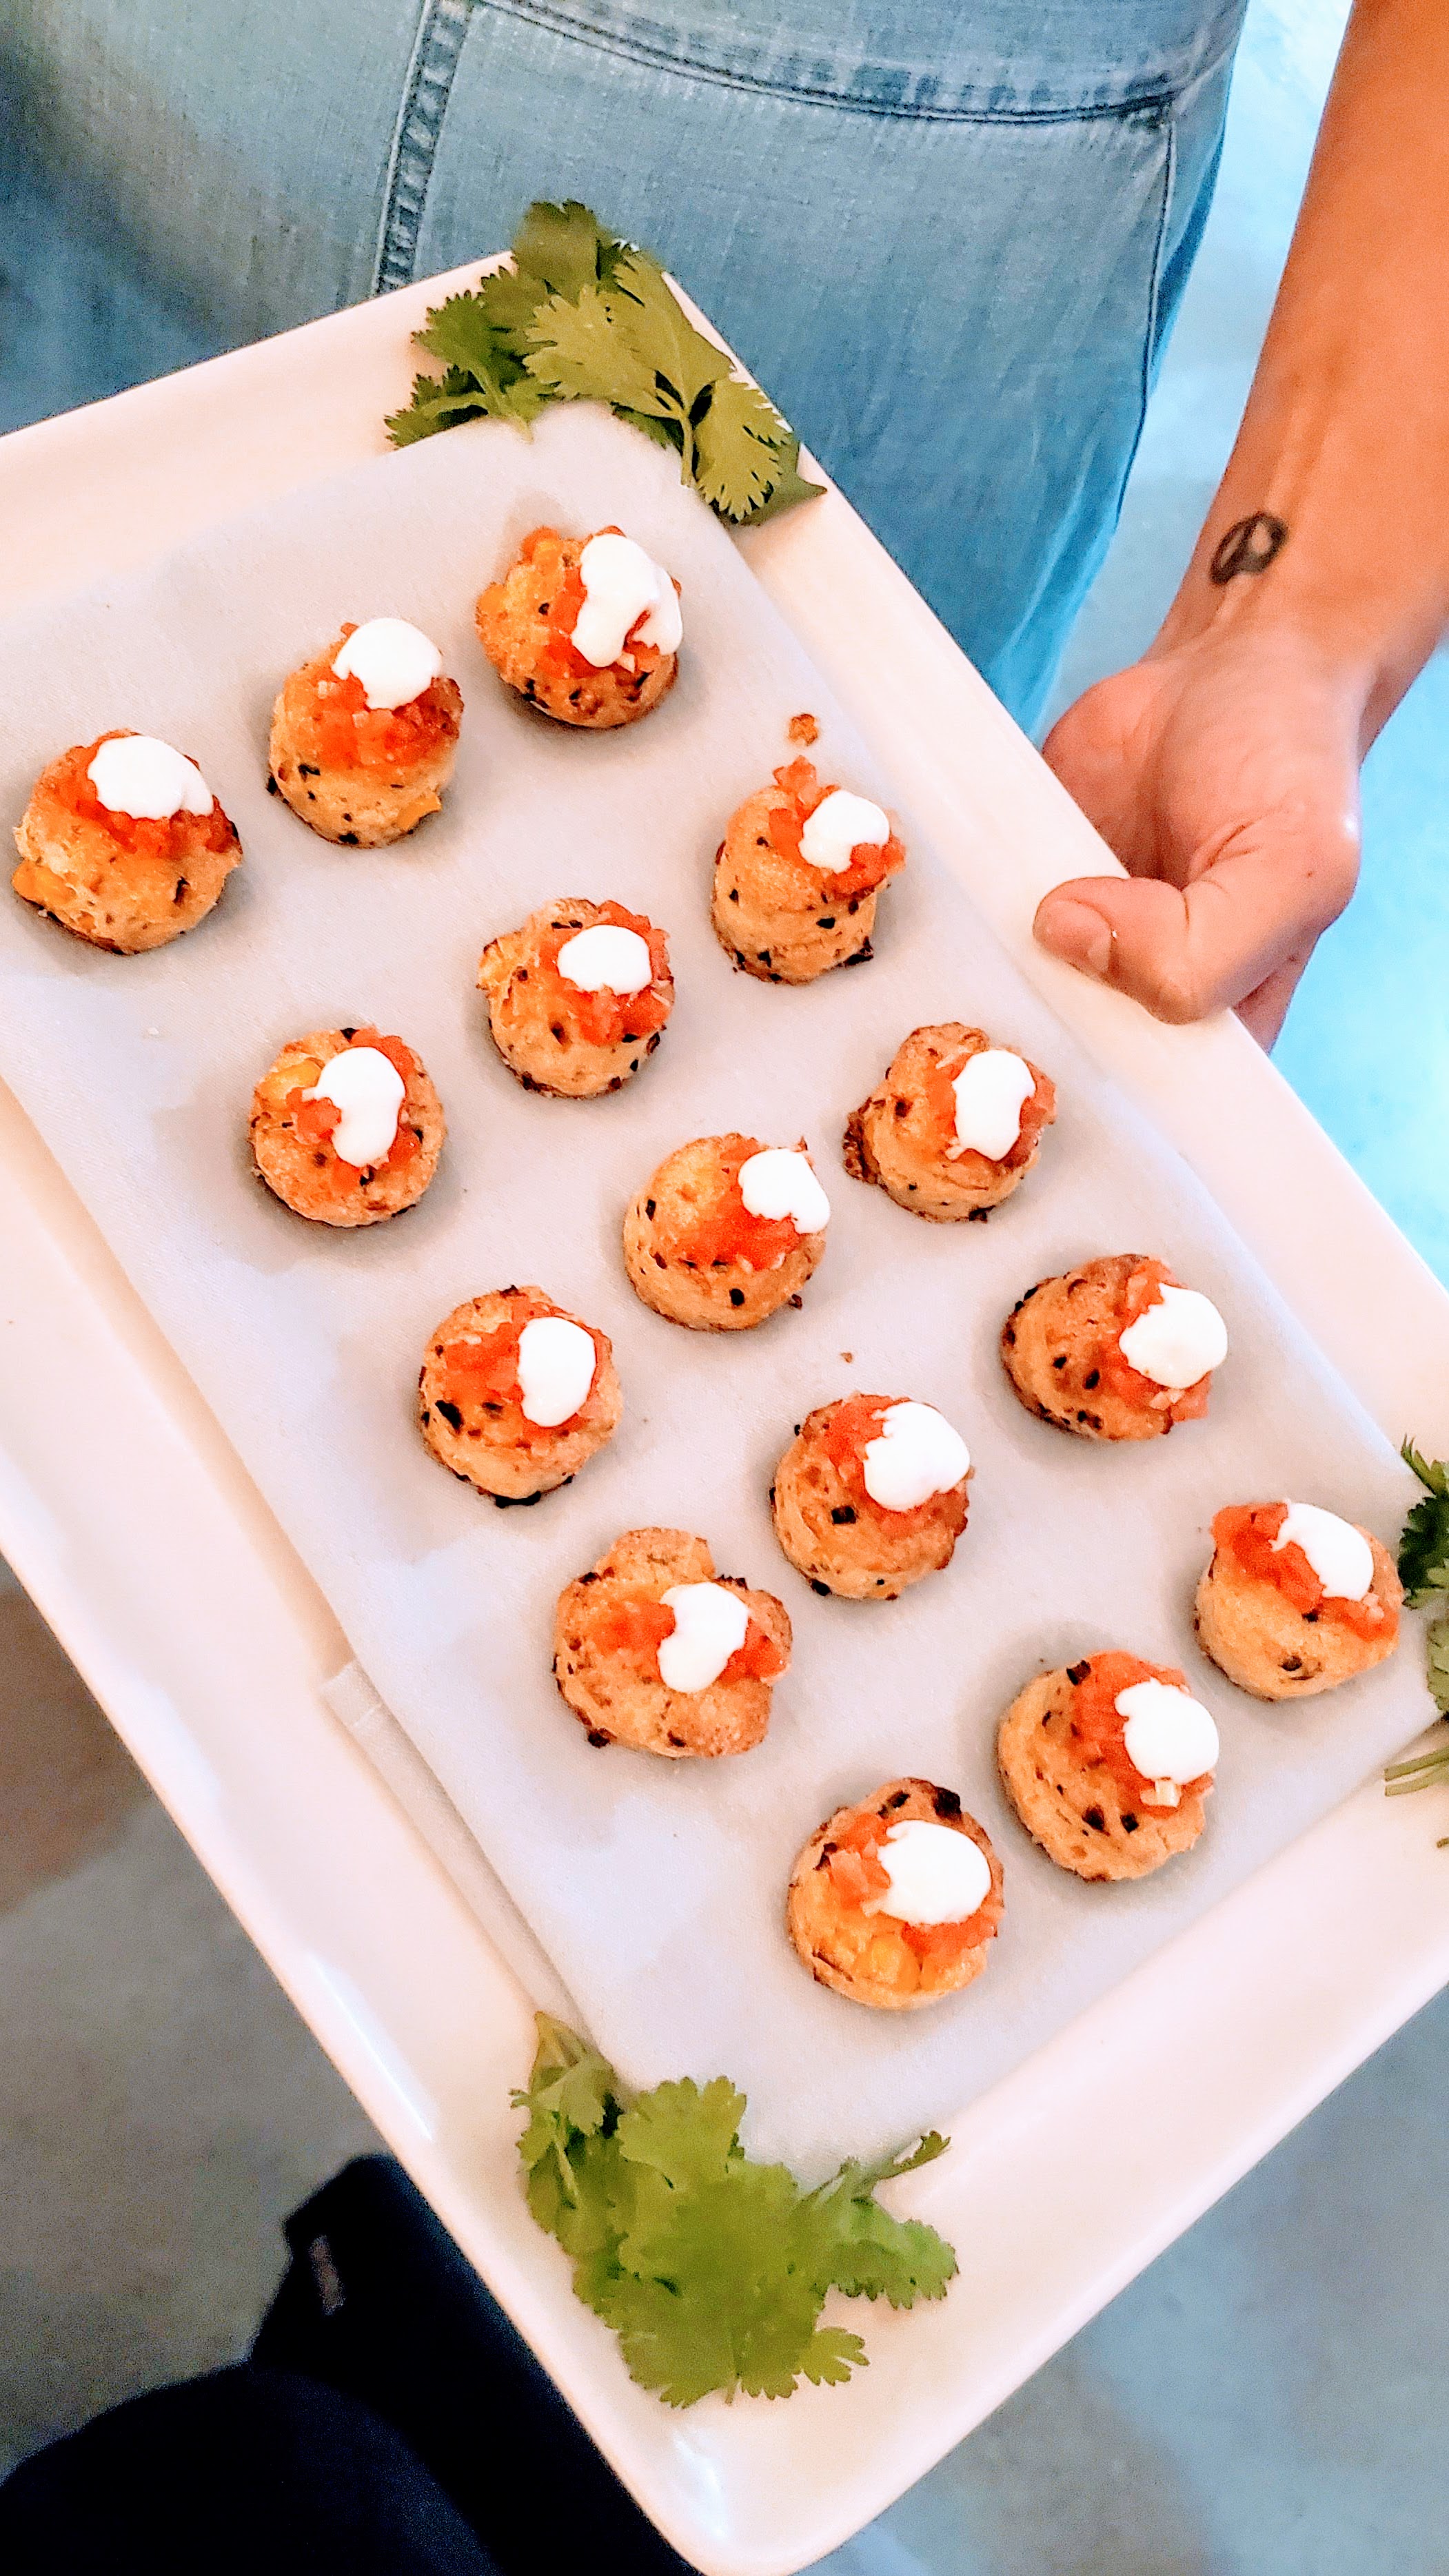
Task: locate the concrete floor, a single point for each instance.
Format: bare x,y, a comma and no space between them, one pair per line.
1267,2399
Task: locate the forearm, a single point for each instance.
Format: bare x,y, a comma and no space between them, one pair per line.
1345,439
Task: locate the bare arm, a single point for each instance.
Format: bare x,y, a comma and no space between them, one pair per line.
1222,768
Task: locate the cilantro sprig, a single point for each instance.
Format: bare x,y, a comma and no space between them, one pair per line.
584,316
1424,1574
711,2269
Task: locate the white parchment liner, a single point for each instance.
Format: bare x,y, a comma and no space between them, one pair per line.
657,1889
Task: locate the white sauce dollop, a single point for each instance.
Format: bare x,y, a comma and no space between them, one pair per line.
936,1874
606,958
367,1087
137,775
780,1182
394,661
917,1455
992,1088
622,585
709,1626
838,826
1178,1340
556,1364
1169,1735
1339,1554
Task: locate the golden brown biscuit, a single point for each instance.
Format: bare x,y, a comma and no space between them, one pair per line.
832,1528
904,1136
694,1252
471,1399
1066,1770
356,774
554,1036
872,1956
1061,1348
525,623
610,1628
774,914
293,1138
119,881
1264,1617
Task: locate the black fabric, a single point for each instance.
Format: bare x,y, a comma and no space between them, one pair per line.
246,2473
380,2305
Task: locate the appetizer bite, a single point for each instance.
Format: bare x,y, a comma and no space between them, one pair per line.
725,1232
364,738
1108,1763
653,1648
124,843
954,1126
1295,1600
797,875
1115,1350
515,1396
346,1128
587,628
871,1495
893,1902
577,997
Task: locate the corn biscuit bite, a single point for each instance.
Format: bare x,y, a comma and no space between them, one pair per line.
578,996
586,628
726,1232
364,738
954,1126
515,1396
1108,1763
123,843
346,1127
797,875
895,1902
1115,1350
652,1648
1295,1600
871,1496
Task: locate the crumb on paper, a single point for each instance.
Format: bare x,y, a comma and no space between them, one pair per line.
847,1356
803,728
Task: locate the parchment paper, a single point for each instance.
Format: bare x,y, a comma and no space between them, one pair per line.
656,1889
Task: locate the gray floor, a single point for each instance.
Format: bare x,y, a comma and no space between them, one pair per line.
1268,2399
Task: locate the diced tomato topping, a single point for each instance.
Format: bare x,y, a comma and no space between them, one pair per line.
481,1372
171,839
635,1625
337,729
759,1659
1098,1728
316,1120
605,1019
1246,1531
1142,1289
858,1879
722,1230
871,862
941,1103
849,1434
559,656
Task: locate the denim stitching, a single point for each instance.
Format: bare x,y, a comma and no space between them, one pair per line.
442,27
1154,297
633,46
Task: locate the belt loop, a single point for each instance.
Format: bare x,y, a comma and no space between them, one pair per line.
437,48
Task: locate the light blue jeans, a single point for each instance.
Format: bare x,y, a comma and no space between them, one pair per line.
948,235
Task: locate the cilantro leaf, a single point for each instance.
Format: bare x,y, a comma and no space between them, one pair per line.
685,363
1424,1546
565,247
580,350
789,487
710,2268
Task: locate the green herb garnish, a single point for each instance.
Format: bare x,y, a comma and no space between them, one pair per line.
584,316
1424,1574
711,2269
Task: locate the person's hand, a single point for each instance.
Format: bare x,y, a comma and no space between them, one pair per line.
1223,772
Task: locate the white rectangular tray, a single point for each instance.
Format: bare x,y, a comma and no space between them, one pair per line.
1171,2087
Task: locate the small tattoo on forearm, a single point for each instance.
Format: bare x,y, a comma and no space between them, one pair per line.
1249,546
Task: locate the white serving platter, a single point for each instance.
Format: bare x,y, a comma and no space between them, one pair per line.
173,1589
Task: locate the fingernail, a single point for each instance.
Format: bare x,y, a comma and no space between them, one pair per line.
1075,932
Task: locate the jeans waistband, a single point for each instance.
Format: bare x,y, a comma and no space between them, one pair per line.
1024,59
